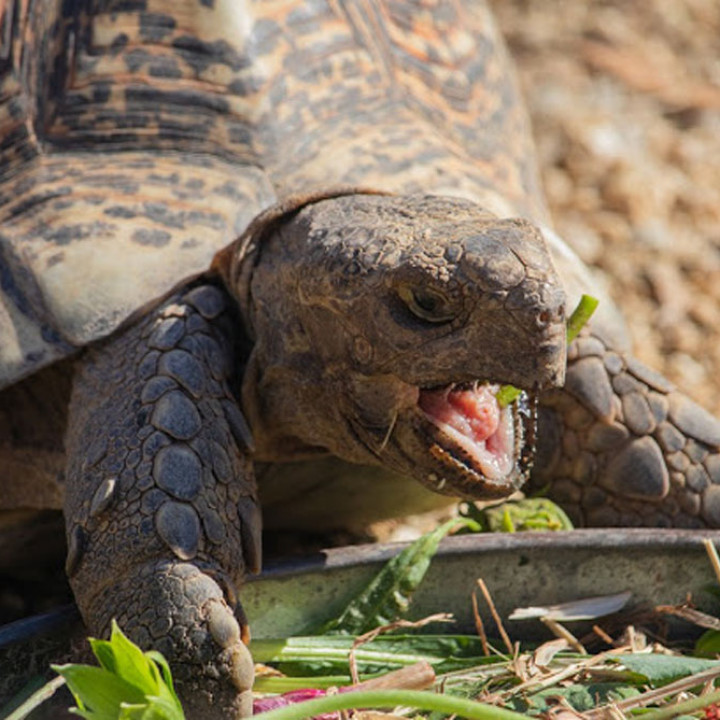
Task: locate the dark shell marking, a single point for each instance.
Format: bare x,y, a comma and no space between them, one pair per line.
166,134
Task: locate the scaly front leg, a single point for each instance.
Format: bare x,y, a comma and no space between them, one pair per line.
619,445
161,505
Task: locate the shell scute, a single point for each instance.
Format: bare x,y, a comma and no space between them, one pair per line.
165,128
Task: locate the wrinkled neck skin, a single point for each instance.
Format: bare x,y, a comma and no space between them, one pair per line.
297,412
361,306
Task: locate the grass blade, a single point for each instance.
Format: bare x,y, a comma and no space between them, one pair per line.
580,315
329,654
40,695
419,699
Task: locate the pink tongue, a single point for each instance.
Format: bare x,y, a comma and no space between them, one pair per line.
473,413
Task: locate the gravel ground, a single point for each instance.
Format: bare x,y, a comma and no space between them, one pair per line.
625,103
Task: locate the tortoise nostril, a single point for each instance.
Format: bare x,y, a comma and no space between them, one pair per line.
544,317
550,316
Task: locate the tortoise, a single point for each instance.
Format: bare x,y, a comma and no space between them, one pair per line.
285,253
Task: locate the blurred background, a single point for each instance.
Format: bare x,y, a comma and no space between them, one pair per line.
624,97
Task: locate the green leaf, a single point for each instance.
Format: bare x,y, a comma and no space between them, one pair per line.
272,685
166,688
105,654
154,709
507,394
163,667
525,514
708,644
580,315
387,597
129,685
662,669
580,697
328,655
97,690
132,712
165,708
131,663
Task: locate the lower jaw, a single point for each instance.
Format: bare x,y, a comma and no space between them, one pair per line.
453,473
452,481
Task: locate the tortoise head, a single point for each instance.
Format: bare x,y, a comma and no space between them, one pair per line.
383,327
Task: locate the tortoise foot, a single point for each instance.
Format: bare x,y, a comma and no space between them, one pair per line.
178,609
621,446
161,507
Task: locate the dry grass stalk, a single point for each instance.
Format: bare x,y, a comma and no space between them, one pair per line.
555,677
713,555
603,635
561,709
372,634
652,696
633,637
496,616
691,615
479,626
414,677
562,632
543,655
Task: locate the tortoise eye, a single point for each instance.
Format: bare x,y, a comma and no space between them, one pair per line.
426,304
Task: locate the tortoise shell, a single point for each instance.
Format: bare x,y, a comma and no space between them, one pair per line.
142,136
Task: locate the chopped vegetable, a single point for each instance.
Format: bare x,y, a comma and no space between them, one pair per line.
419,699
387,597
519,515
580,316
132,685
418,676
329,654
507,394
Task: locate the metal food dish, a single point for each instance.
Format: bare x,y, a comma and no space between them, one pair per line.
533,568
656,566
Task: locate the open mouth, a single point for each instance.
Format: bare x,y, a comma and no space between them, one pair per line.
489,443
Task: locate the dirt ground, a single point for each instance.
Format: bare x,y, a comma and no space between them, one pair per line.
625,103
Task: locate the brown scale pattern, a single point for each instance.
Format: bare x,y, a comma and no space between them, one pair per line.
623,447
203,116
161,508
